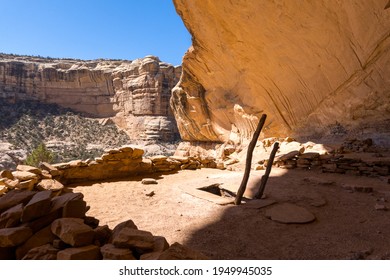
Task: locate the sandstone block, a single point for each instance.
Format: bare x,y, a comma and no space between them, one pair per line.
11,237
42,237
125,224
74,209
15,197
11,184
28,168
60,201
28,184
90,252
38,206
6,174
181,159
149,181
139,240
50,168
102,235
11,217
3,189
43,252
50,184
127,149
160,244
179,252
110,252
137,153
310,156
73,231
24,175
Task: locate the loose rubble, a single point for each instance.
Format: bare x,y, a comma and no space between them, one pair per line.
45,225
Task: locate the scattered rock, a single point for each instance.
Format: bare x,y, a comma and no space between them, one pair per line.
380,207
287,213
150,194
149,181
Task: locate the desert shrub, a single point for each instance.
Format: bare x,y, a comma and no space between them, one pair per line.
39,154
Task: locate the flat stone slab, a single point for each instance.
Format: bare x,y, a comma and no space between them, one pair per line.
258,203
288,213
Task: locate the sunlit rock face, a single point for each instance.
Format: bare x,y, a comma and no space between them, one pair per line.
309,65
135,94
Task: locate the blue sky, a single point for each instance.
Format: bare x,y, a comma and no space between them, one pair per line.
90,29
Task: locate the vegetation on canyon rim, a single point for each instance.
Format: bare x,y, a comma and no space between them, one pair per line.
67,134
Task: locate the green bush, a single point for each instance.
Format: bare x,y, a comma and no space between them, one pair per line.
39,154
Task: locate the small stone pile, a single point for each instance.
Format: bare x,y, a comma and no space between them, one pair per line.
29,178
43,225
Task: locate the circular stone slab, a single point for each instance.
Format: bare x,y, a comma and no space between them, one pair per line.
288,213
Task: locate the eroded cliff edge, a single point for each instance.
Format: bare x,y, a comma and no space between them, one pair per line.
135,94
312,66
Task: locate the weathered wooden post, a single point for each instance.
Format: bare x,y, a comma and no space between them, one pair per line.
248,162
264,178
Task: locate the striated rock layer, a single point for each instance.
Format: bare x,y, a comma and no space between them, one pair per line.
311,66
135,94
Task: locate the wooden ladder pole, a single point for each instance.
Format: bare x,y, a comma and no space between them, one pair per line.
264,178
248,162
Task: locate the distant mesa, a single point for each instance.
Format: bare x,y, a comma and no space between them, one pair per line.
134,94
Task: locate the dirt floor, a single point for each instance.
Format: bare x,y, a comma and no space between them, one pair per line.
349,224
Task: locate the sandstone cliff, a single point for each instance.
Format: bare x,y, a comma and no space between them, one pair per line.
135,94
312,66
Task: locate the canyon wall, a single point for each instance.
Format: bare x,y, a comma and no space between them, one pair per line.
314,67
135,94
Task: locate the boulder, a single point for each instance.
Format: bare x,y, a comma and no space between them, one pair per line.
15,197
139,240
24,175
90,252
42,237
125,224
10,237
6,174
11,217
49,184
110,252
44,252
38,206
28,168
73,231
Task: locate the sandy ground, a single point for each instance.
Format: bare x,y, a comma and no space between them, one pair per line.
347,225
